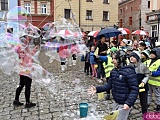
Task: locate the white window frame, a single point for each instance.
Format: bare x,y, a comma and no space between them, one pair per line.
89,17
155,31
43,8
27,6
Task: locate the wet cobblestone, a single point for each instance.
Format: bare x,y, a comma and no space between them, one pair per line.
58,102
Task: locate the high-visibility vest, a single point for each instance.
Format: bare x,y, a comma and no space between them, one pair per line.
153,67
108,67
147,62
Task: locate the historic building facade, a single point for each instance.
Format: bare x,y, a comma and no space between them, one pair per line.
132,14
42,11
89,14
152,19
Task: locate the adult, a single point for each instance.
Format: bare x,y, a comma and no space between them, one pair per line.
101,48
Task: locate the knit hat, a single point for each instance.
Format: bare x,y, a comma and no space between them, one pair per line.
113,49
125,41
121,58
153,52
136,54
145,53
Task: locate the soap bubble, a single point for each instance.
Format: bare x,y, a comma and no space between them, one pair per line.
18,14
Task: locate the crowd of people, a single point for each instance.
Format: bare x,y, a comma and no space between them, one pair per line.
130,70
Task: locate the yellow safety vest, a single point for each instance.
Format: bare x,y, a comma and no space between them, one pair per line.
154,80
147,62
108,67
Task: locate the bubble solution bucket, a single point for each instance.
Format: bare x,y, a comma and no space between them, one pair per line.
83,107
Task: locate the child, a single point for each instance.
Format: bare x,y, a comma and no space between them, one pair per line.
142,46
143,75
87,67
145,56
124,85
92,62
154,81
25,75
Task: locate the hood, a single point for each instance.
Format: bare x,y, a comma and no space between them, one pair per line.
135,65
157,50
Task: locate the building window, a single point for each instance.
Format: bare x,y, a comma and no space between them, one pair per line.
154,31
89,15
106,1
120,11
120,23
130,20
89,0
4,4
148,4
105,15
28,7
43,8
67,13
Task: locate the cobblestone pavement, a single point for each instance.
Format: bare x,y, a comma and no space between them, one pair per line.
60,102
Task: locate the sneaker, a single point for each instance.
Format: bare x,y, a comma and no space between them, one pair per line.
29,105
17,103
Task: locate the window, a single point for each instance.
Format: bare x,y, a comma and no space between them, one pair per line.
89,0
120,11
105,1
120,23
148,4
43,8
130,20
105,15
89,15
28,7
4,4
67,13
154,31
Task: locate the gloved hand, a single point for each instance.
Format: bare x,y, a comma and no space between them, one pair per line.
141,87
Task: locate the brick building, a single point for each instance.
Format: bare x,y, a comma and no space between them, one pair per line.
42,11
89,14
132,14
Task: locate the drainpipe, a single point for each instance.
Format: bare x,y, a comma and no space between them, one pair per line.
79,13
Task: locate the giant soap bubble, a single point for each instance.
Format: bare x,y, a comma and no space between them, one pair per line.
63,38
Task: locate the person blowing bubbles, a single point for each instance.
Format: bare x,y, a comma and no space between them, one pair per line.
124,85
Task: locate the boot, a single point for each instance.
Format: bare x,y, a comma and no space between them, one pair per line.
74,62
29,105
158,108
63,67
17,103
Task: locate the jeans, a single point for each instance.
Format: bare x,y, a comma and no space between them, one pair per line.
100,72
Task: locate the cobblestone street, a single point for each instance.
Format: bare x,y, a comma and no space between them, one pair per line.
60,102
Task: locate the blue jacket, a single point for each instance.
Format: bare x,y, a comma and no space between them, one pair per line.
124,85
92,60
156,73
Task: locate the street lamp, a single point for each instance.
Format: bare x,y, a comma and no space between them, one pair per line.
158,15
